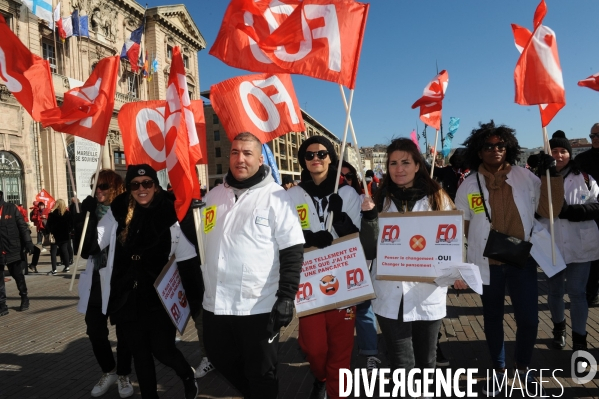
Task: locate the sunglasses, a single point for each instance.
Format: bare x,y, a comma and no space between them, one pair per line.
490,147
594,135
348,176
134,185
322,154
102,186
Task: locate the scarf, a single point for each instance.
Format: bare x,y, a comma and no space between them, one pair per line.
247,183
101,258
323,189
404,198
495,180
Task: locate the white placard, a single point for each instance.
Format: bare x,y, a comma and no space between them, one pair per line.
410,245
170,291
86,161
333,277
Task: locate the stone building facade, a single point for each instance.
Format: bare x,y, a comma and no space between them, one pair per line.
33,158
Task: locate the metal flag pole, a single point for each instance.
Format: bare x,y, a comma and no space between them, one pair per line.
86,222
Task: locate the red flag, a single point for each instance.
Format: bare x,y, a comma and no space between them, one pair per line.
46,198
264,105
522,37
142,128
318,38
431,101
26,75
538,74
181,139
87,110
592,82
58,21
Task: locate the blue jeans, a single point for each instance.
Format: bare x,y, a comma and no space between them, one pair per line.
523,290
573,281
366,330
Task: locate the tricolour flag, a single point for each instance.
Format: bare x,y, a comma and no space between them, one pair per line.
58,21
131,48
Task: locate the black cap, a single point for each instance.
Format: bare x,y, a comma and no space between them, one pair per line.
317,140
559,140
143,169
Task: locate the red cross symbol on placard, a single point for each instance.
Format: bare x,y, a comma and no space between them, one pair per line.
417,243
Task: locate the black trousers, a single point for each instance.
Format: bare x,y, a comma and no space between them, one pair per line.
242,349
64,253
97,331
16,272
34,259
154,337
593,281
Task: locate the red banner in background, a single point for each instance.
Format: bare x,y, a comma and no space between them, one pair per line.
46,198
264,105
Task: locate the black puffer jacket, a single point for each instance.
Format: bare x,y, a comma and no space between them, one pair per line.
60,225
13,230
139,261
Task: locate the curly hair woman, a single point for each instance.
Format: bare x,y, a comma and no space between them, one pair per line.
511,195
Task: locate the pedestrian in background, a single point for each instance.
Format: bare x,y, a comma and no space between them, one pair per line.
60,225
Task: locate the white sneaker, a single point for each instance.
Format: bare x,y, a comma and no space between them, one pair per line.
125,387
104,384
43,250
204,368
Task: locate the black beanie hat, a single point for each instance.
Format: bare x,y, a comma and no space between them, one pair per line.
317,140
559,140
143,169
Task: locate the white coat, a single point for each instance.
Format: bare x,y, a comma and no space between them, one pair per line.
180,247
241,271
352,204
577,241
526,190
421,301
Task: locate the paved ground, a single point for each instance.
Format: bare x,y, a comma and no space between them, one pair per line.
44,352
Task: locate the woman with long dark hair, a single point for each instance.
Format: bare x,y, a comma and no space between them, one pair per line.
60,225
409,313
510,195
142,230
91,297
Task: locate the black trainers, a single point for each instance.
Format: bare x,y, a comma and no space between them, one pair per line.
319,390
3,310
529,383
66,269
191,386
24,304
496,382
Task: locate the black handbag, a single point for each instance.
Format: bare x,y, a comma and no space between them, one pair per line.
502,247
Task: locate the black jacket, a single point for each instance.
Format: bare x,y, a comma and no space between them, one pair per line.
139,261
588,162
60,225
13,231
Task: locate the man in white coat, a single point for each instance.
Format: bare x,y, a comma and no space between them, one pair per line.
254,255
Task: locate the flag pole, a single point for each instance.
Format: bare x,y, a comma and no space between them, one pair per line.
66,154
86,222
547,148
355,141
347,119
434,153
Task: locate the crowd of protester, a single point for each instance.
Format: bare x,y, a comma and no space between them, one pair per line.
243,293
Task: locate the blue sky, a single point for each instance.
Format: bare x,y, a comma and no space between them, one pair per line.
472,39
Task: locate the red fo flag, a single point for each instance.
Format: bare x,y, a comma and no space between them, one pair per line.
264,105
46,198
86,110
431,101
26,75
538,74
142,128
592,82
318,38
522,37
181,139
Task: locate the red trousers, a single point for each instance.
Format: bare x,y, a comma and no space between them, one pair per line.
327,339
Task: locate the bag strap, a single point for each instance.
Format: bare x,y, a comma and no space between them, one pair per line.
482,196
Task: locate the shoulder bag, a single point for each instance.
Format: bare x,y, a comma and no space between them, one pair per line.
502,247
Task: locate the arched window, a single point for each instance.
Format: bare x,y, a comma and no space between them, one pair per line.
11,178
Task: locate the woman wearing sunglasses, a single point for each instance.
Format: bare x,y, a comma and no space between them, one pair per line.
327,337
110,184
510,195
143,233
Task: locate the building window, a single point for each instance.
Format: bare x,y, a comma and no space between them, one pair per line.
190,94
169,52
215,119
132,84
219,169
217,152
186,61
50,55
216,135
11,178
119,158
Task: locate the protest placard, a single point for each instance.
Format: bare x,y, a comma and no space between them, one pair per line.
170,291
411,245
333,277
